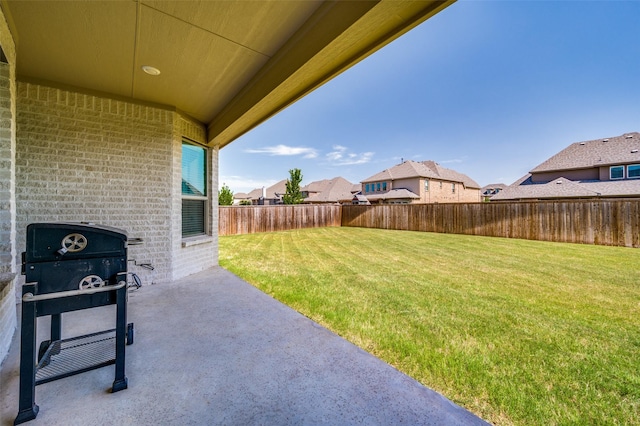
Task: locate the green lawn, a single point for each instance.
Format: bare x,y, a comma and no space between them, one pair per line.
518,332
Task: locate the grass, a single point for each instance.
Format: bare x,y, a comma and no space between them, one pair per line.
518,332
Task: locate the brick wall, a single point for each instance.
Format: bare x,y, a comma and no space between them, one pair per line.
7,315
7,188
81,157
197,253
441,192
7,172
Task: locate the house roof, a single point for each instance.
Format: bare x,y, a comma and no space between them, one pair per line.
329,190
273,192
500,186
565,188
394,194
228,64
361,198
623,149
241,196
425,169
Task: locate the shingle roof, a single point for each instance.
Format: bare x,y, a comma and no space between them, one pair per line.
361,198
277,188
329,190
426,169
623,149
565,188
499,186
394,194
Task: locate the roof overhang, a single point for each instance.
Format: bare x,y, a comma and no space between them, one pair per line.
228,64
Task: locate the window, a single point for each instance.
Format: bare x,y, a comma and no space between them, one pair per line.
384,186
633,171
194,189
426,185
378,186
366,188
453,188
616,172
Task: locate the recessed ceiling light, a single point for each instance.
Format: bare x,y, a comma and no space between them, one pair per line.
150,70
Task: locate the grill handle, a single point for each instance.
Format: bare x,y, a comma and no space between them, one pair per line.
30,297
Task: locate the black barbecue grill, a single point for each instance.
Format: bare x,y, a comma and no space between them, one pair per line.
69,267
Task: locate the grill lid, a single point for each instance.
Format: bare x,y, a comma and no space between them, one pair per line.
55,241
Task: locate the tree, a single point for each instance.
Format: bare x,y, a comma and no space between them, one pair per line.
293,194
225,196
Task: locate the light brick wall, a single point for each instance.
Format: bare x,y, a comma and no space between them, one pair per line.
81,157
197,253
86,158
7,188
7,314
441,192
7,171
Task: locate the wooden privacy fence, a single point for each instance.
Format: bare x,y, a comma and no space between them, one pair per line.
251,219
604,222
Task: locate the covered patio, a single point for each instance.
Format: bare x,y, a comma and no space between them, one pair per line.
212,349
114,113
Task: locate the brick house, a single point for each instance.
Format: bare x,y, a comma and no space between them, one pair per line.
490,190
329,191
607,167
269,196
420,182
107,108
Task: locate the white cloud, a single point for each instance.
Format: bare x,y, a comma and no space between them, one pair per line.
341,157
285,150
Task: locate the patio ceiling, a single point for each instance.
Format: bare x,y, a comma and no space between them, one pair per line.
229,64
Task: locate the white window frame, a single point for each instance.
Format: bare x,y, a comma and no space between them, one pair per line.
205,198
637,166
611,174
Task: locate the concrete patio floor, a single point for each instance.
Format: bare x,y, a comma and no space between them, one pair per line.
211,349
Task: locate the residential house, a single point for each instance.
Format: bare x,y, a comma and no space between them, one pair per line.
270,196
330,191
490,190
107,106
241,198
607,167
420,182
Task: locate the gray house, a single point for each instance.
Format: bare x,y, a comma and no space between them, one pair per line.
607,167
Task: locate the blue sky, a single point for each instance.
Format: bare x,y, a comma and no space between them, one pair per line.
487,88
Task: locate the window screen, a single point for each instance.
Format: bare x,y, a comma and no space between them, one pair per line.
193,214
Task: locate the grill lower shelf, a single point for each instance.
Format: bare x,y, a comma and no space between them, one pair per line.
67,357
